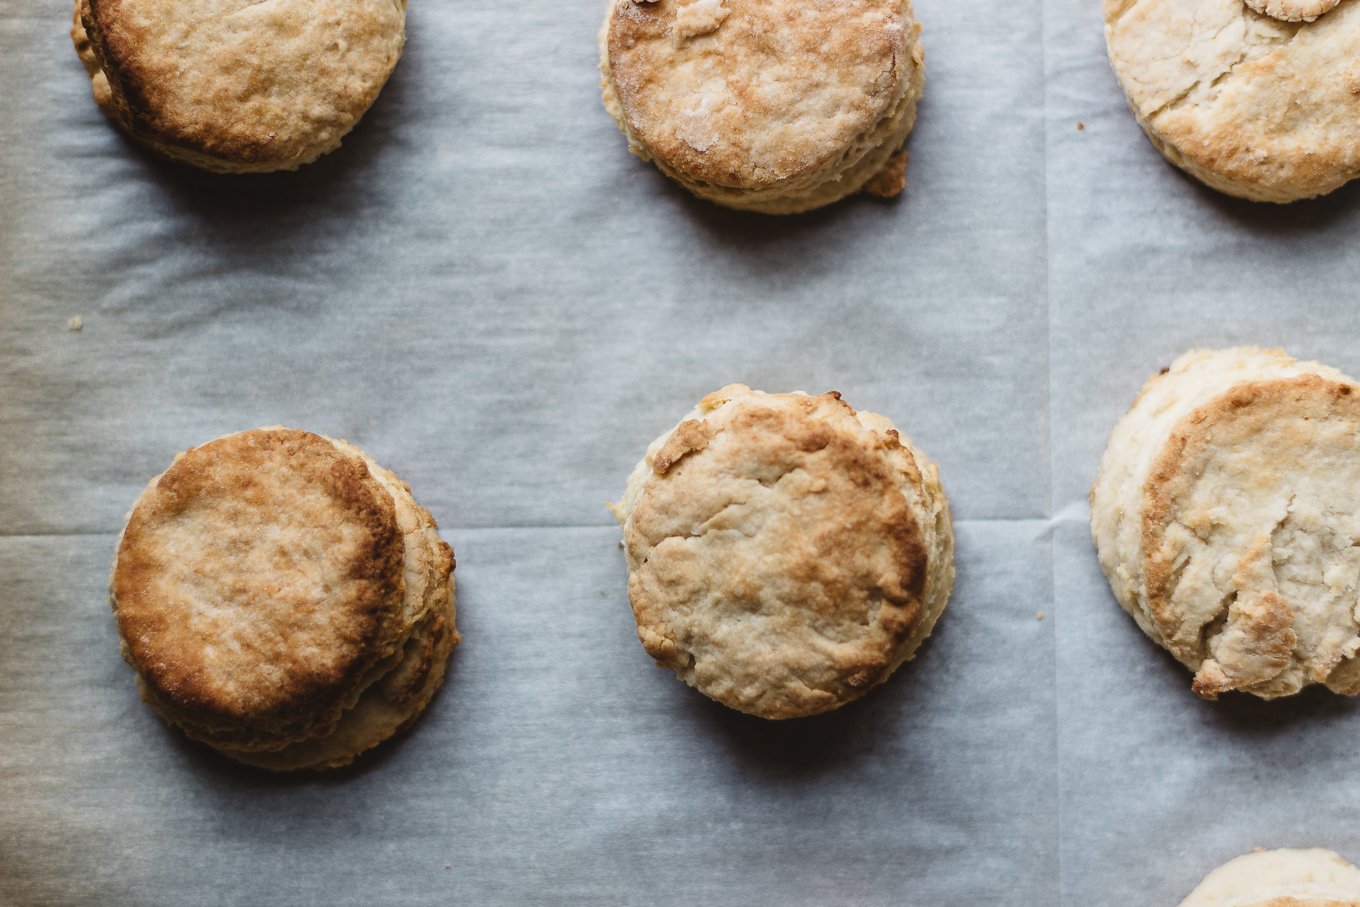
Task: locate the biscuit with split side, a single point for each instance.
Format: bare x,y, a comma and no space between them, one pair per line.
1226,516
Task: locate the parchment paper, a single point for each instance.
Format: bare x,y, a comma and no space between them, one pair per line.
487,293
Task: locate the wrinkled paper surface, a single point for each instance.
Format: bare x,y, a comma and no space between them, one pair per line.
487,293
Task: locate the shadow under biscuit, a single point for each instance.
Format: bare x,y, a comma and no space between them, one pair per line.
206,763
1269,221
780,250
805,748
286,214
1242,715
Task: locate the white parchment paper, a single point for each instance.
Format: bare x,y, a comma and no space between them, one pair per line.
487,293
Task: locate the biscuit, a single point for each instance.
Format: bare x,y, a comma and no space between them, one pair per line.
284,599
1280,878
1226,515
239,86
785,553
766,105
1258,99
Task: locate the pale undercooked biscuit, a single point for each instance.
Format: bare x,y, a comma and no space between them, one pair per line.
785,553
775,106
239,86
1280,878
1226,515
284,599
1258,99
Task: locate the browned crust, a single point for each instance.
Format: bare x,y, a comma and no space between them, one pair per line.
404,691
225,646
129,86
840,38
1276,125
858,508
892,179
1234,165
1267,616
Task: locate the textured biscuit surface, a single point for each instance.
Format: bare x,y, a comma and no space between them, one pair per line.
283,598
1227,519
1249,104
239,85
785,553
764,104
1293,10
1280,878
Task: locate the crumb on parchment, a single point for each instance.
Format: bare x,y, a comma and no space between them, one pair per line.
75,323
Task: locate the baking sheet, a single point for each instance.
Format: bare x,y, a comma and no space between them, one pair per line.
486,292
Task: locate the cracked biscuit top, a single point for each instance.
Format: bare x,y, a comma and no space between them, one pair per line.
1257,98
239,84
1280,878
753,93
259,578
785,553
1227,518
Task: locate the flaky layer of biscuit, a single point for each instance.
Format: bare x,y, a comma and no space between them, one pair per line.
786,554
867,159
235,86
1280,878
394,698
772,125
269,515
385,707
1226,516
1252,106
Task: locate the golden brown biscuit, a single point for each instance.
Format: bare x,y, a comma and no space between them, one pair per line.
239,86
1258,99
1226,516
1280,878
766,105
283,598
785,553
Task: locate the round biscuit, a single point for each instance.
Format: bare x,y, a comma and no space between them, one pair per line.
765,105
284,599
785,553
239,86
1251,105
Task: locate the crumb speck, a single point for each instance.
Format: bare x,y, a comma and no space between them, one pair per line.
1038,615
1081,127
75,323
694,124
699,17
